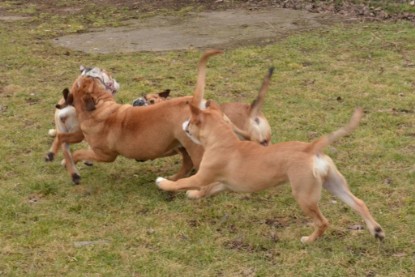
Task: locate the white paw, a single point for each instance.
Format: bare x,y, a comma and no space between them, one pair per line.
304,239
159,180
193,194
52,132
63,163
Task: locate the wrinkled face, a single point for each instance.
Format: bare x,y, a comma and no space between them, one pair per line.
106,79
259,130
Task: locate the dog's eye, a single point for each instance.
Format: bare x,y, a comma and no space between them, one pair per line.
152,101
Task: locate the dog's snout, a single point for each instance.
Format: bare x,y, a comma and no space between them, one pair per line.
139,102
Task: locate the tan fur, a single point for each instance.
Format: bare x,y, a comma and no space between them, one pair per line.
66,122
112,129
244,166
248,120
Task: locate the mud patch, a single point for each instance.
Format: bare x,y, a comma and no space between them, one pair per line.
225,29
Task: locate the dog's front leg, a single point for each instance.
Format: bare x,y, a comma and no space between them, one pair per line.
70,165
61,138
194,182
186,168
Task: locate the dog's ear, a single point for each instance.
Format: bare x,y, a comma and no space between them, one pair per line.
196,114
165,93
89,102
65,93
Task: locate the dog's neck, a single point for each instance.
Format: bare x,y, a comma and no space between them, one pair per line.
217,133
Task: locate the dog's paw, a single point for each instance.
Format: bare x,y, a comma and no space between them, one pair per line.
194,194
379,234
76,179
159,180
305,239
52,132
49,157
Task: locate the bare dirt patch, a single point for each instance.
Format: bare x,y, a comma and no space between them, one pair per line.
227,28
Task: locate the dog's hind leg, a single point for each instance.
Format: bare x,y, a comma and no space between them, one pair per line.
306,189
336,184
186,168
70,165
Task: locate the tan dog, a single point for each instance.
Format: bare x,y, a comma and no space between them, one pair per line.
159,139
67,122
112,129
152,98
244,166
249,119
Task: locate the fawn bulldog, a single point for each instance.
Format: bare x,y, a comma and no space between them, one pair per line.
141,133
244,166
67,122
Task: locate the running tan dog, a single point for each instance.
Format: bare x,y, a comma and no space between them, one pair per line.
67,122
244,166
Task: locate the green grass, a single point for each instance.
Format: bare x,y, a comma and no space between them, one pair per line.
138,230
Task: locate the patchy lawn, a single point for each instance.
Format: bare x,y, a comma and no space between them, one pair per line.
117,223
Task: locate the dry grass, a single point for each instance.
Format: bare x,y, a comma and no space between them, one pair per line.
133,229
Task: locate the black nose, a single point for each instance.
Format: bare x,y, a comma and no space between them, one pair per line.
139,102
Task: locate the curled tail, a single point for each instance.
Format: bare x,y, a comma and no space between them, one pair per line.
257,104
199,91
319,144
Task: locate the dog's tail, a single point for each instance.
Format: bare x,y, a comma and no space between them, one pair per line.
257,104
201,77
319,144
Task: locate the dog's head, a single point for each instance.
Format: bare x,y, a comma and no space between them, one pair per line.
198,127
151,98
109,83
86,92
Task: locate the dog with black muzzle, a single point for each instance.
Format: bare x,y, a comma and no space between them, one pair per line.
151,98
66,119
